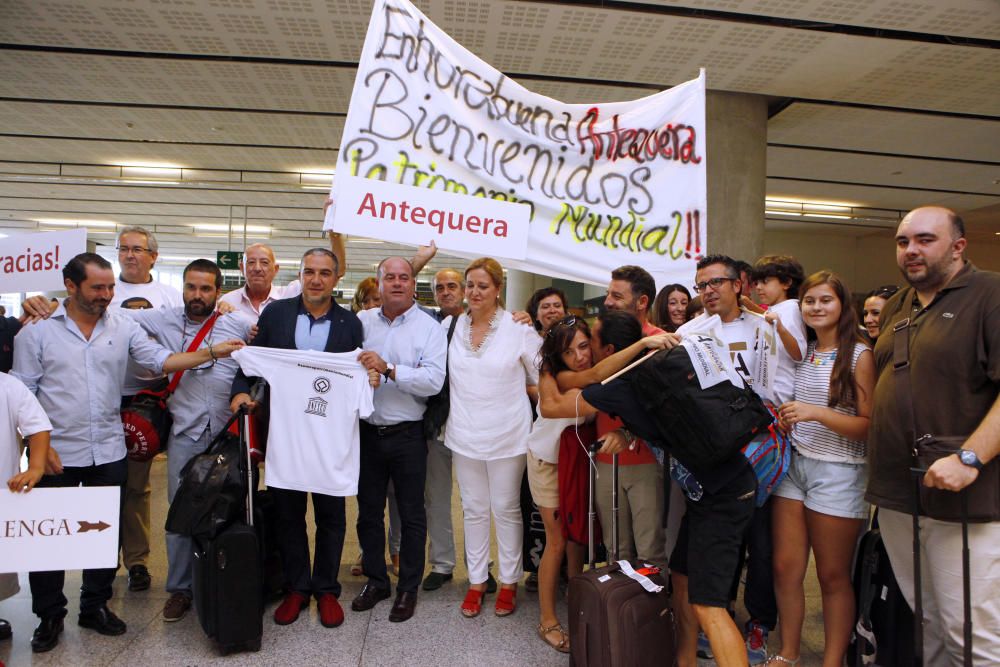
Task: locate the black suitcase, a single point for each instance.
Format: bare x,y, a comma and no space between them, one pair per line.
883,635
227,577
613,620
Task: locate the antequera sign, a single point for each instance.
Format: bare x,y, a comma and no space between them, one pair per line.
569,190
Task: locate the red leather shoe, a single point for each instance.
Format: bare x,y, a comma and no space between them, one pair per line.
289,609
330,612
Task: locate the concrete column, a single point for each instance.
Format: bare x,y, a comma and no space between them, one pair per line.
737,172
520,287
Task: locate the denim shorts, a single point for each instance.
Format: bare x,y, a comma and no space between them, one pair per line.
827,487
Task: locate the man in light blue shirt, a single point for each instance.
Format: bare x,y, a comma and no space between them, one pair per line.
407,346
199,405
74,362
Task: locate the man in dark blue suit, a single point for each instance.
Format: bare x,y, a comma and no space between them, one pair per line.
311,321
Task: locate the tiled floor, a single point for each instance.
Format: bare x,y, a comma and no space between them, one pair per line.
436,635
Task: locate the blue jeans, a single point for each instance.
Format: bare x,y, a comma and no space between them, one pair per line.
180,450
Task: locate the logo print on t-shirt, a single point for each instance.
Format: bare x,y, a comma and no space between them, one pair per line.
321,384
316,406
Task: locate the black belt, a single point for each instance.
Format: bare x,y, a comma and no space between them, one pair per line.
382,431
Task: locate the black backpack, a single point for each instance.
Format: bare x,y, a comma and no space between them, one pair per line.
701,428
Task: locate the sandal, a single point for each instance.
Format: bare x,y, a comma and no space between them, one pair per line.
782,659
562,645
473,603
506,601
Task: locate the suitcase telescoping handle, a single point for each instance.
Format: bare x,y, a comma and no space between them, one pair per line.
918,612
591,505
246,466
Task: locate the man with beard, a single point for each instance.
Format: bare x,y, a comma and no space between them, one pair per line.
74,362
200,403
945,384
632,290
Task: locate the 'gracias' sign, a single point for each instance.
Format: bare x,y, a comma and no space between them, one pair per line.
601,185
34,262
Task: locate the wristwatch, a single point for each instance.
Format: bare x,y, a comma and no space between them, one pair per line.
969,458
389,368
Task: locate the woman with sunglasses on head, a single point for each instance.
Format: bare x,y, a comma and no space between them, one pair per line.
820,504
491,373
872,311
565,346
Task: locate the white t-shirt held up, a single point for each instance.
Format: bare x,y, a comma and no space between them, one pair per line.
317,399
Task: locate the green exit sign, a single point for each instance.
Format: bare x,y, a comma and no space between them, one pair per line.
228,259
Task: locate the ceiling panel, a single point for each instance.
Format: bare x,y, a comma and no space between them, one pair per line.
518,37
967,18
913,173
881,131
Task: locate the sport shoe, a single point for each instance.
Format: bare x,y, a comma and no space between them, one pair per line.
138,578
756,643
531,583
176,606
704,647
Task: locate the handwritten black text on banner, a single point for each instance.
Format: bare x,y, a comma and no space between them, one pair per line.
603,184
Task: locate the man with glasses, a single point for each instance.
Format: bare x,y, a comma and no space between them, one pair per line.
707,553
136,289
199,405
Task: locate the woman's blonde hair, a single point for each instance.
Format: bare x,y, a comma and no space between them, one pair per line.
362,292
493,269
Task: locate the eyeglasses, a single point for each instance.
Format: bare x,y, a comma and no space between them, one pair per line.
132,249
568,321
714,283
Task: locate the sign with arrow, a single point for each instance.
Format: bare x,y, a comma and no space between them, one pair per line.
227,259
74,528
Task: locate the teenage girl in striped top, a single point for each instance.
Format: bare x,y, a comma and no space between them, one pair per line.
821,503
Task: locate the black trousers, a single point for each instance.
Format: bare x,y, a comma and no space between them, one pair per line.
293,541
47,599
758,594
400,456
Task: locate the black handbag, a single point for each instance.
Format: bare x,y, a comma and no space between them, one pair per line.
438,405
212,491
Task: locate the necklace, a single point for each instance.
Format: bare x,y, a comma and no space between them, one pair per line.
490,328
823,359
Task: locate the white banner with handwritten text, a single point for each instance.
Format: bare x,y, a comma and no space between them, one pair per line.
601,184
